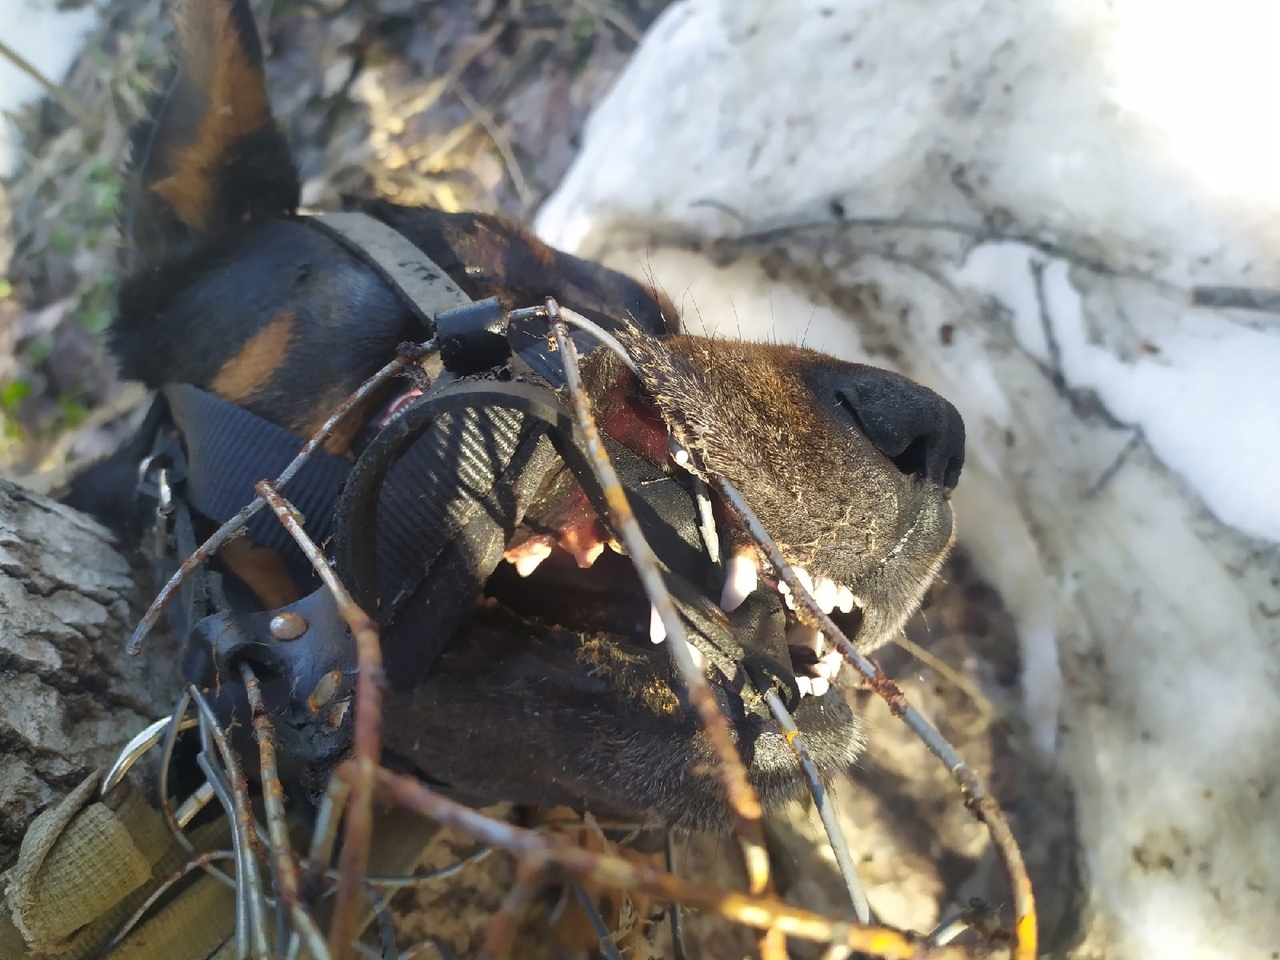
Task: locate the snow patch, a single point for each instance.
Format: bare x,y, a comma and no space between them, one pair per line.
1062,173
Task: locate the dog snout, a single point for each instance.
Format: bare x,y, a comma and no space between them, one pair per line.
919,431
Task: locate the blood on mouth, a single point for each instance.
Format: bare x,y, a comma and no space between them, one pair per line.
816,664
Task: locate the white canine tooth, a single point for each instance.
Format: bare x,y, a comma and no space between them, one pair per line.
657,632
740,580
803,636
803,576
829,665
699,658
825,592
532,554
789,600
783,588
819,685
805,685
844,599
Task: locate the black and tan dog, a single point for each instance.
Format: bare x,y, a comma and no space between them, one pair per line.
550,690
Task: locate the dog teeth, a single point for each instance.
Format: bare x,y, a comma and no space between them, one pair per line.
657,632
825,592
802,636
806,686
829,665
739,582
528,556
803,576
844,599
819,685
699,658
587,554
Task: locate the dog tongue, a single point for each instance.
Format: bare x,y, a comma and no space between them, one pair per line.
396,406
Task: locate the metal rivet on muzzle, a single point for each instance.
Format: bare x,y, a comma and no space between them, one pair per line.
333,719
288,626
326,688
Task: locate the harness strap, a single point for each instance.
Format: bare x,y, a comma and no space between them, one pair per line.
230,449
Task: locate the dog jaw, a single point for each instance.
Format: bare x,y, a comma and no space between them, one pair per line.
766,417
555,706
230,292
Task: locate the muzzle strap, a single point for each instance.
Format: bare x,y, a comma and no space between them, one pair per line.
230,449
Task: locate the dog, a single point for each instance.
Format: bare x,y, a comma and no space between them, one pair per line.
549,687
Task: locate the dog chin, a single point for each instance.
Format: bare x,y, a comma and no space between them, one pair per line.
545,715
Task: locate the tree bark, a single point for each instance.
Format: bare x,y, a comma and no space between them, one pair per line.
69,695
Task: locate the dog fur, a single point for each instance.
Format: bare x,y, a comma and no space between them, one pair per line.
849,467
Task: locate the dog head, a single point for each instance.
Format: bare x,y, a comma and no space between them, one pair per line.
550,689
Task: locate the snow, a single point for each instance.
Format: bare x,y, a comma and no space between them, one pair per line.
48,39
1122,152
1205,394
1069,171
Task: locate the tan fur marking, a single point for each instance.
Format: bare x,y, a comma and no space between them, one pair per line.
237,106
339,442
262,570
249,370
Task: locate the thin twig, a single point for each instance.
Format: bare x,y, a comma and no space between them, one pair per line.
1238,298
81,115
196,862
977,799
282,856
485,118
743,803
229,529
948,673
821,800
538,851
505,922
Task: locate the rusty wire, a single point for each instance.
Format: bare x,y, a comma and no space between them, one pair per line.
610,870
232,790
366,744
981,803
743,803
826,812
348,800
406,356
283,861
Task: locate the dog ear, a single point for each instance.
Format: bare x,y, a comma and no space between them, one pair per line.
210,155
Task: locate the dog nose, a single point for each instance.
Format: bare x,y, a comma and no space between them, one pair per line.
918,430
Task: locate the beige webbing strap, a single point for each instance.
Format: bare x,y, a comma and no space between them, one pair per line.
192,927
86,865
79,859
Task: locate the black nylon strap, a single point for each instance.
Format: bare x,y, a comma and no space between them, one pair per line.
392,504
230,449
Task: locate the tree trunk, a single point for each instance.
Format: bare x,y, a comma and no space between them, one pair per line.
69,695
